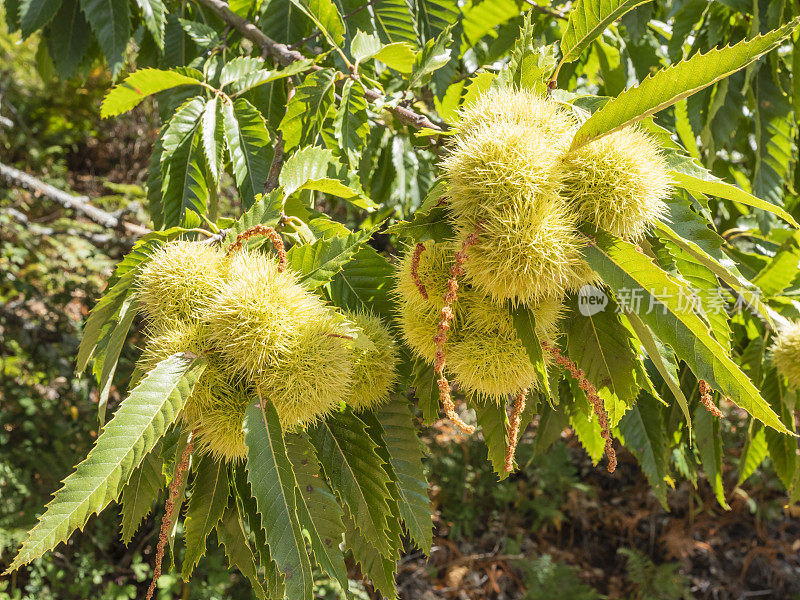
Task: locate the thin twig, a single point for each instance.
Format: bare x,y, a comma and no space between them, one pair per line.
79,204
276,166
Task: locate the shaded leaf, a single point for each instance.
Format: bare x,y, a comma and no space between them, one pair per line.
141,420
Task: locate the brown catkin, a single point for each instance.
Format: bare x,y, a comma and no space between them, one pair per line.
591,393
257,230
513,429
418,250
707,400
441,332
169,511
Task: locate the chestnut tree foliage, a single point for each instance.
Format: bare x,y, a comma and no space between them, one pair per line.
328,113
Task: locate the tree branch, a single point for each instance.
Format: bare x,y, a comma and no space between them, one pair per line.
79,204
284,56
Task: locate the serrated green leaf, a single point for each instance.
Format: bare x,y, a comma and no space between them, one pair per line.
374,565
364,46
584,422
308,169
318,262
530,63
363,284
212,132
201,34
140,492
230,532
69,41
351,125
239,67
141,420
703,182
709,444
434,55
319,512
493,421
434,225
743,287
350,462
676,82
587,20
398,55
551,423
623,269
754,452
112,351
184,185
154,14
664,361
325,16
405,455
35,14
139,85
106,309
426,390
273,484
480,18
699,271
266,210
782,269
782,447
395,22
643,430
602,346
775,138
249,147
110,21
307,109
525,325
210,493
247,508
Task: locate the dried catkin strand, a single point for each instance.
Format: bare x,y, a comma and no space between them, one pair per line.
441,332
513,429
169,511
418,250
257,230
708,402
591,393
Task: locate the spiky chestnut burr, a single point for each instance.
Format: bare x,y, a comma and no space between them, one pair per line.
618,182
174,283
488,359
255,313
312,373
504,172
374,363
484,353
785,353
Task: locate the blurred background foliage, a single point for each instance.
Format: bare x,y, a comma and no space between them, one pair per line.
560,528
